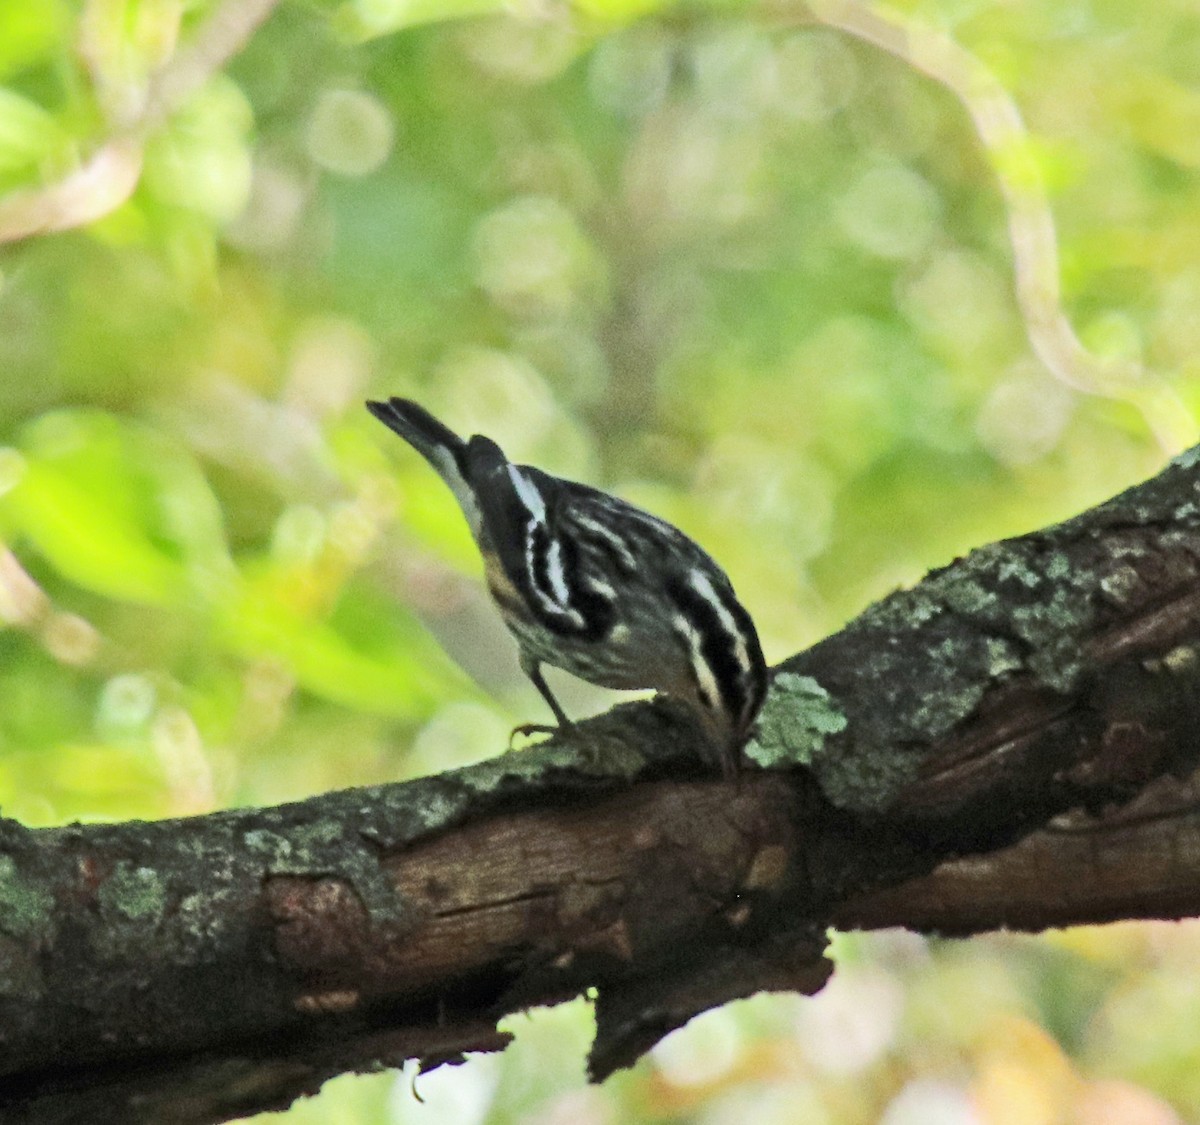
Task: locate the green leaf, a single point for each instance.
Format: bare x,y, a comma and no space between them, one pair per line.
28,133
116,509
371,658
30,33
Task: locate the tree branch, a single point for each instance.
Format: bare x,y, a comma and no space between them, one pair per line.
1009,743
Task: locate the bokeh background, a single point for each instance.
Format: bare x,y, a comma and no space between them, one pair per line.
739,264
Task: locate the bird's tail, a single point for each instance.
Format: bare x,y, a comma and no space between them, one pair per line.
437,443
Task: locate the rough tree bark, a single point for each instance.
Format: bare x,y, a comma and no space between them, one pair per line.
1010,743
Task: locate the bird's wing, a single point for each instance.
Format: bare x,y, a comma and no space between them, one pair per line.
522,513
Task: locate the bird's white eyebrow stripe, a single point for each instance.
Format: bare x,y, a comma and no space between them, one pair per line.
528,493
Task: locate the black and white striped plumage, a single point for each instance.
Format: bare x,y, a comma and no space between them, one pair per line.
593,585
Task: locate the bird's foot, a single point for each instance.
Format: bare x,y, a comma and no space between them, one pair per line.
526,729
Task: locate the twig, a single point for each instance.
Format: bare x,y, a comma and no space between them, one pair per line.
109,176
1006,141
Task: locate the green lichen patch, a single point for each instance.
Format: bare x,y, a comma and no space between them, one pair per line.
1188,459
866,782
1013,567
297,849
1058,566
961,593
799,726
1030,606
136,893
24,905
795,723
960,676
1054,629
905,609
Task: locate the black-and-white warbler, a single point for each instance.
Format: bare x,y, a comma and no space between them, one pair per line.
593,585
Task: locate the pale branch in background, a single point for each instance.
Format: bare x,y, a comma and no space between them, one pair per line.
108,177
1009,148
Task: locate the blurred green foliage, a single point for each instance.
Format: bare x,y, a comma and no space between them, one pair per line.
755,277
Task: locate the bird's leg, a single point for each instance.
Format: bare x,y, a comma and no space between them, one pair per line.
533,669
731,762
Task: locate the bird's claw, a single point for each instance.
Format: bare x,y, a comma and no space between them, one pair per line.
526,729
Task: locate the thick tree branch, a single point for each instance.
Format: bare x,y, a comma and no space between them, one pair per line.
1141,861
1009,743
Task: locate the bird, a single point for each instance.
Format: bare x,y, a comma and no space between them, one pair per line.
591,584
